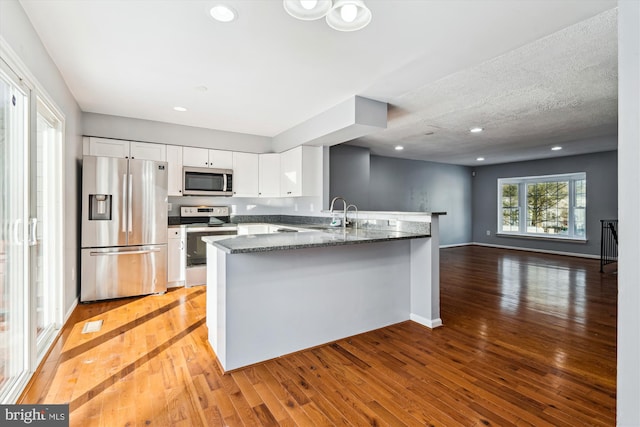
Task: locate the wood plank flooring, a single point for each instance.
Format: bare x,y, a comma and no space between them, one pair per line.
529,340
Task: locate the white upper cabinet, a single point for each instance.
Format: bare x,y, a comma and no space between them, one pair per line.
124,149
245,174
221,159
174,165
196,157
148,151
106,147
269,175
205,158
293,173
301,172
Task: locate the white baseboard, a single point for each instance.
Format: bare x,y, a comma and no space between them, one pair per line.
70,311
429,323
544,251
455,245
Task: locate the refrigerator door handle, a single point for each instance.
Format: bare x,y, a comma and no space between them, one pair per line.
130,228
140,251
124,203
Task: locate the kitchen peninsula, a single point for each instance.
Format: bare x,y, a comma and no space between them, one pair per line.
274,294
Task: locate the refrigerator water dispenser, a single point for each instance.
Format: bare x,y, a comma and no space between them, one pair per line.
100,207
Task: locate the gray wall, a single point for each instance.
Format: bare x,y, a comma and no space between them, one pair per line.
17,31
349,174
404,185
602,198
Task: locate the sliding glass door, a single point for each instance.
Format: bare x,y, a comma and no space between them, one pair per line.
31,236
13,253
44,229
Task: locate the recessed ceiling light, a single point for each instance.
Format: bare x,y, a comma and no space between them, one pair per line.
201,88
556,148
476,130
181,109
223,13
480,159
399,147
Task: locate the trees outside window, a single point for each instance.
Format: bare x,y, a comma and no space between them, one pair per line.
550,206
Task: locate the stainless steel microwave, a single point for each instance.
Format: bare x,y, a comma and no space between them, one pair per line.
207,182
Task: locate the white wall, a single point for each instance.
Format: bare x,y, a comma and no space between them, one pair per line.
17,31
127,128
628,394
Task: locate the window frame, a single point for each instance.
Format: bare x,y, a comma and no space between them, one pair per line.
522,183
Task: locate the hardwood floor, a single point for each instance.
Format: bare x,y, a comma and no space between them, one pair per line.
529,340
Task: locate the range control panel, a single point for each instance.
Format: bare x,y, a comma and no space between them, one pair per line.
186,211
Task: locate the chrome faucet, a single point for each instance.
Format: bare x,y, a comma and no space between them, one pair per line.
344,213
356,209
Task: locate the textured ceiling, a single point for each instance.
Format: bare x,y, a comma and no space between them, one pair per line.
561,89
531,72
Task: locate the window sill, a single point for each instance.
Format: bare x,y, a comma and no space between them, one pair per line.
547,238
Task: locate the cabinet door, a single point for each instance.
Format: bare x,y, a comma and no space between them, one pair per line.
291,172
105,147
176,259
245,175
174,164
269,173
197,157
221,159
148,151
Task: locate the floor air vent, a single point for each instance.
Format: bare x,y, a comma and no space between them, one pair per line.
90,327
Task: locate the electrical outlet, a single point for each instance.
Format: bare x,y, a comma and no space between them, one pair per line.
73,274
488,232
169,206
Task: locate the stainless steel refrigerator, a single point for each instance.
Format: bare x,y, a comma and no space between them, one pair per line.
124,228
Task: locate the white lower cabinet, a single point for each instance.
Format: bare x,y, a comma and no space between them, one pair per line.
176,257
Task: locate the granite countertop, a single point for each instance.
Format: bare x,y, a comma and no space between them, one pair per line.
308,239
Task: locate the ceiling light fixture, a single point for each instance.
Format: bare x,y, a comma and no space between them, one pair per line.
223,13
181,109
307,10
399,147
476,130
341,15
556,148
348,15
480,159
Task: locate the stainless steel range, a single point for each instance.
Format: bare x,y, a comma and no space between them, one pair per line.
202,221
